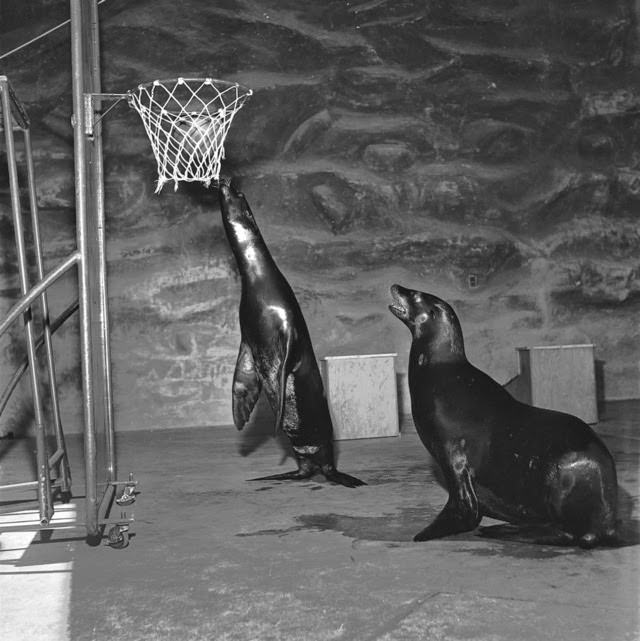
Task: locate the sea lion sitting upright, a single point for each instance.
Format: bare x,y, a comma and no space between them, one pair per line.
276,352
500,458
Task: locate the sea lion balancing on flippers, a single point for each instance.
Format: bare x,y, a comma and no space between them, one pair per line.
500,458
276,352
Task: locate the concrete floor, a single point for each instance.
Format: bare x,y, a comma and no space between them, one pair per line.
217,558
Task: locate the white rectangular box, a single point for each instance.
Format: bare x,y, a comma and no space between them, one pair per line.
559,378
362,395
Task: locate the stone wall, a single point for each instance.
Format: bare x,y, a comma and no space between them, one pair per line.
484,151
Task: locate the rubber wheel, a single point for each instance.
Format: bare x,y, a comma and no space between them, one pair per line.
118,538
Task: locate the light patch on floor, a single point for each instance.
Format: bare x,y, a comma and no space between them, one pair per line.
35,593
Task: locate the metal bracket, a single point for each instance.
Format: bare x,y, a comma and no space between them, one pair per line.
128,495
89,110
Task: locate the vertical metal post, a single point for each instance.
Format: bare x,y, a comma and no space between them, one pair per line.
94,337
80,153
42,458
65,473
97,176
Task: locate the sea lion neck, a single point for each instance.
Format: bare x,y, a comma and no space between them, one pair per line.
246,242
250,250
444,349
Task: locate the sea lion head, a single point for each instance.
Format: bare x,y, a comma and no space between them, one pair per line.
430,319
235,209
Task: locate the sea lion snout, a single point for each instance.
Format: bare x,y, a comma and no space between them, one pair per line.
233,204
427,317
399,307
229,191
225,192
410,306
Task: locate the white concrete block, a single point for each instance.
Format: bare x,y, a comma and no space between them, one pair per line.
362,394
560,378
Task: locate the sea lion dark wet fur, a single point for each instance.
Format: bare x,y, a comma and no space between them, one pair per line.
500,458
276,352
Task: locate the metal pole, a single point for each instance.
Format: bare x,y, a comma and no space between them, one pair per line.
97,177
28,485
78,86
42,457
65,472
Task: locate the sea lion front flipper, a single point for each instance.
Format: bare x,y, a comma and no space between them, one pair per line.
246,386
460,514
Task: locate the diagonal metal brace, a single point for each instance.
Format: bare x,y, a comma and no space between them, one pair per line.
89,111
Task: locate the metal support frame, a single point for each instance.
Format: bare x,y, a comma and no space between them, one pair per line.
101,481
99,435
14,118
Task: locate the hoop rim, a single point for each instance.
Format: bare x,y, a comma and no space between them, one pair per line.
176,159
208,80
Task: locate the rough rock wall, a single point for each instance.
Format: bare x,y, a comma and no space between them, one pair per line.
484,151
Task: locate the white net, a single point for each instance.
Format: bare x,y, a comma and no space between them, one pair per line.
187,121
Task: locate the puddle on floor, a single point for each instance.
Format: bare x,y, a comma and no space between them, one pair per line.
399,528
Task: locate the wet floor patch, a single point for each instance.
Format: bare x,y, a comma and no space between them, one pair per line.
397,527
273,532
418,474
400,526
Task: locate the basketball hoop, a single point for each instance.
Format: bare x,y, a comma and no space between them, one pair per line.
187,121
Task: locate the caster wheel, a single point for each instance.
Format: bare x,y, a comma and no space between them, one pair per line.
118,537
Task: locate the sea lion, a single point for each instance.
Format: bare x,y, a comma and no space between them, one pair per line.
500,458
276,353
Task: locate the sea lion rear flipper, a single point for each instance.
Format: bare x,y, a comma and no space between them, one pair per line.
340,478
295,475
246,386
305,470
